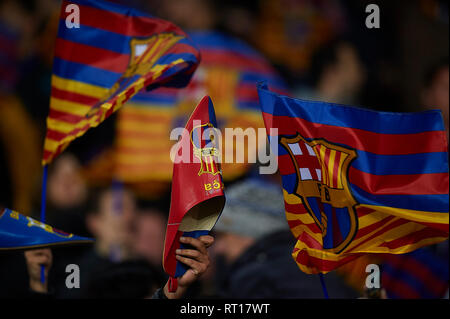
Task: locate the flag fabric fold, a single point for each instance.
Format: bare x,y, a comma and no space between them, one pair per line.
197,197
420,274
115,53
357,181
22,232
228,74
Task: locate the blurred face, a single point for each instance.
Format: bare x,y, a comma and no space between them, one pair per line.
231,246
36,258
436,96
188,14
114,224
66,187
350,69
149,241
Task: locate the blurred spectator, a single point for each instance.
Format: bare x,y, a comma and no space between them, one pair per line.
66,195
110,269
19,150
435,92
256,245
35,259
337,74
20,274
149,236
111,219
190,15
289,32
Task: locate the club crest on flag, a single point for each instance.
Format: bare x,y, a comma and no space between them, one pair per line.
35,223
322,185
144,54
205,149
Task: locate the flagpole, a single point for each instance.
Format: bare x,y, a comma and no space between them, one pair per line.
324,288
43,203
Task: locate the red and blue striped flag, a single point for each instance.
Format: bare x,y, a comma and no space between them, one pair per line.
115,52
357,181
420,274
228,73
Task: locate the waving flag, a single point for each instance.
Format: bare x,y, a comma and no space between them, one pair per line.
228,73
357,181
142,147
197,188
420,274
21,232
116,52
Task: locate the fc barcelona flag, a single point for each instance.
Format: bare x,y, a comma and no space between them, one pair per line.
115,52
197,197
22,232
357,181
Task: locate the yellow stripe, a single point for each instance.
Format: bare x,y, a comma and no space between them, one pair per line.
392,234
65,127
79,87
413,215
331,166
304,218
159,110
143,159
291,198
298,230
143,175
145,143
138,126
341,161
51,145
397,233
359,240
69,107
371,218
319,253
322,161
408,248
150,48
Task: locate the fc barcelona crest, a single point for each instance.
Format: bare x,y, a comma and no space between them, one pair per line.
206,150
143,57
322,185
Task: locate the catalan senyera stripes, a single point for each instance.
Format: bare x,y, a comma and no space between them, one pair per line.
91,76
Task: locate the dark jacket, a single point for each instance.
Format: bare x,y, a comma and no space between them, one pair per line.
267,270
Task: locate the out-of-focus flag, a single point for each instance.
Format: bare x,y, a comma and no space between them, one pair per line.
228,73
417,275
357,181
21,232
197,197
116,52
9,59
142,145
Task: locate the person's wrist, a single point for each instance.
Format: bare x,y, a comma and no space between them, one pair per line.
38,286
178,294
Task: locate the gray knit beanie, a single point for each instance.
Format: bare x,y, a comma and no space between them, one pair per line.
253,208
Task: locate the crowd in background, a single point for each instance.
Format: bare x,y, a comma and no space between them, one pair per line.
323,51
